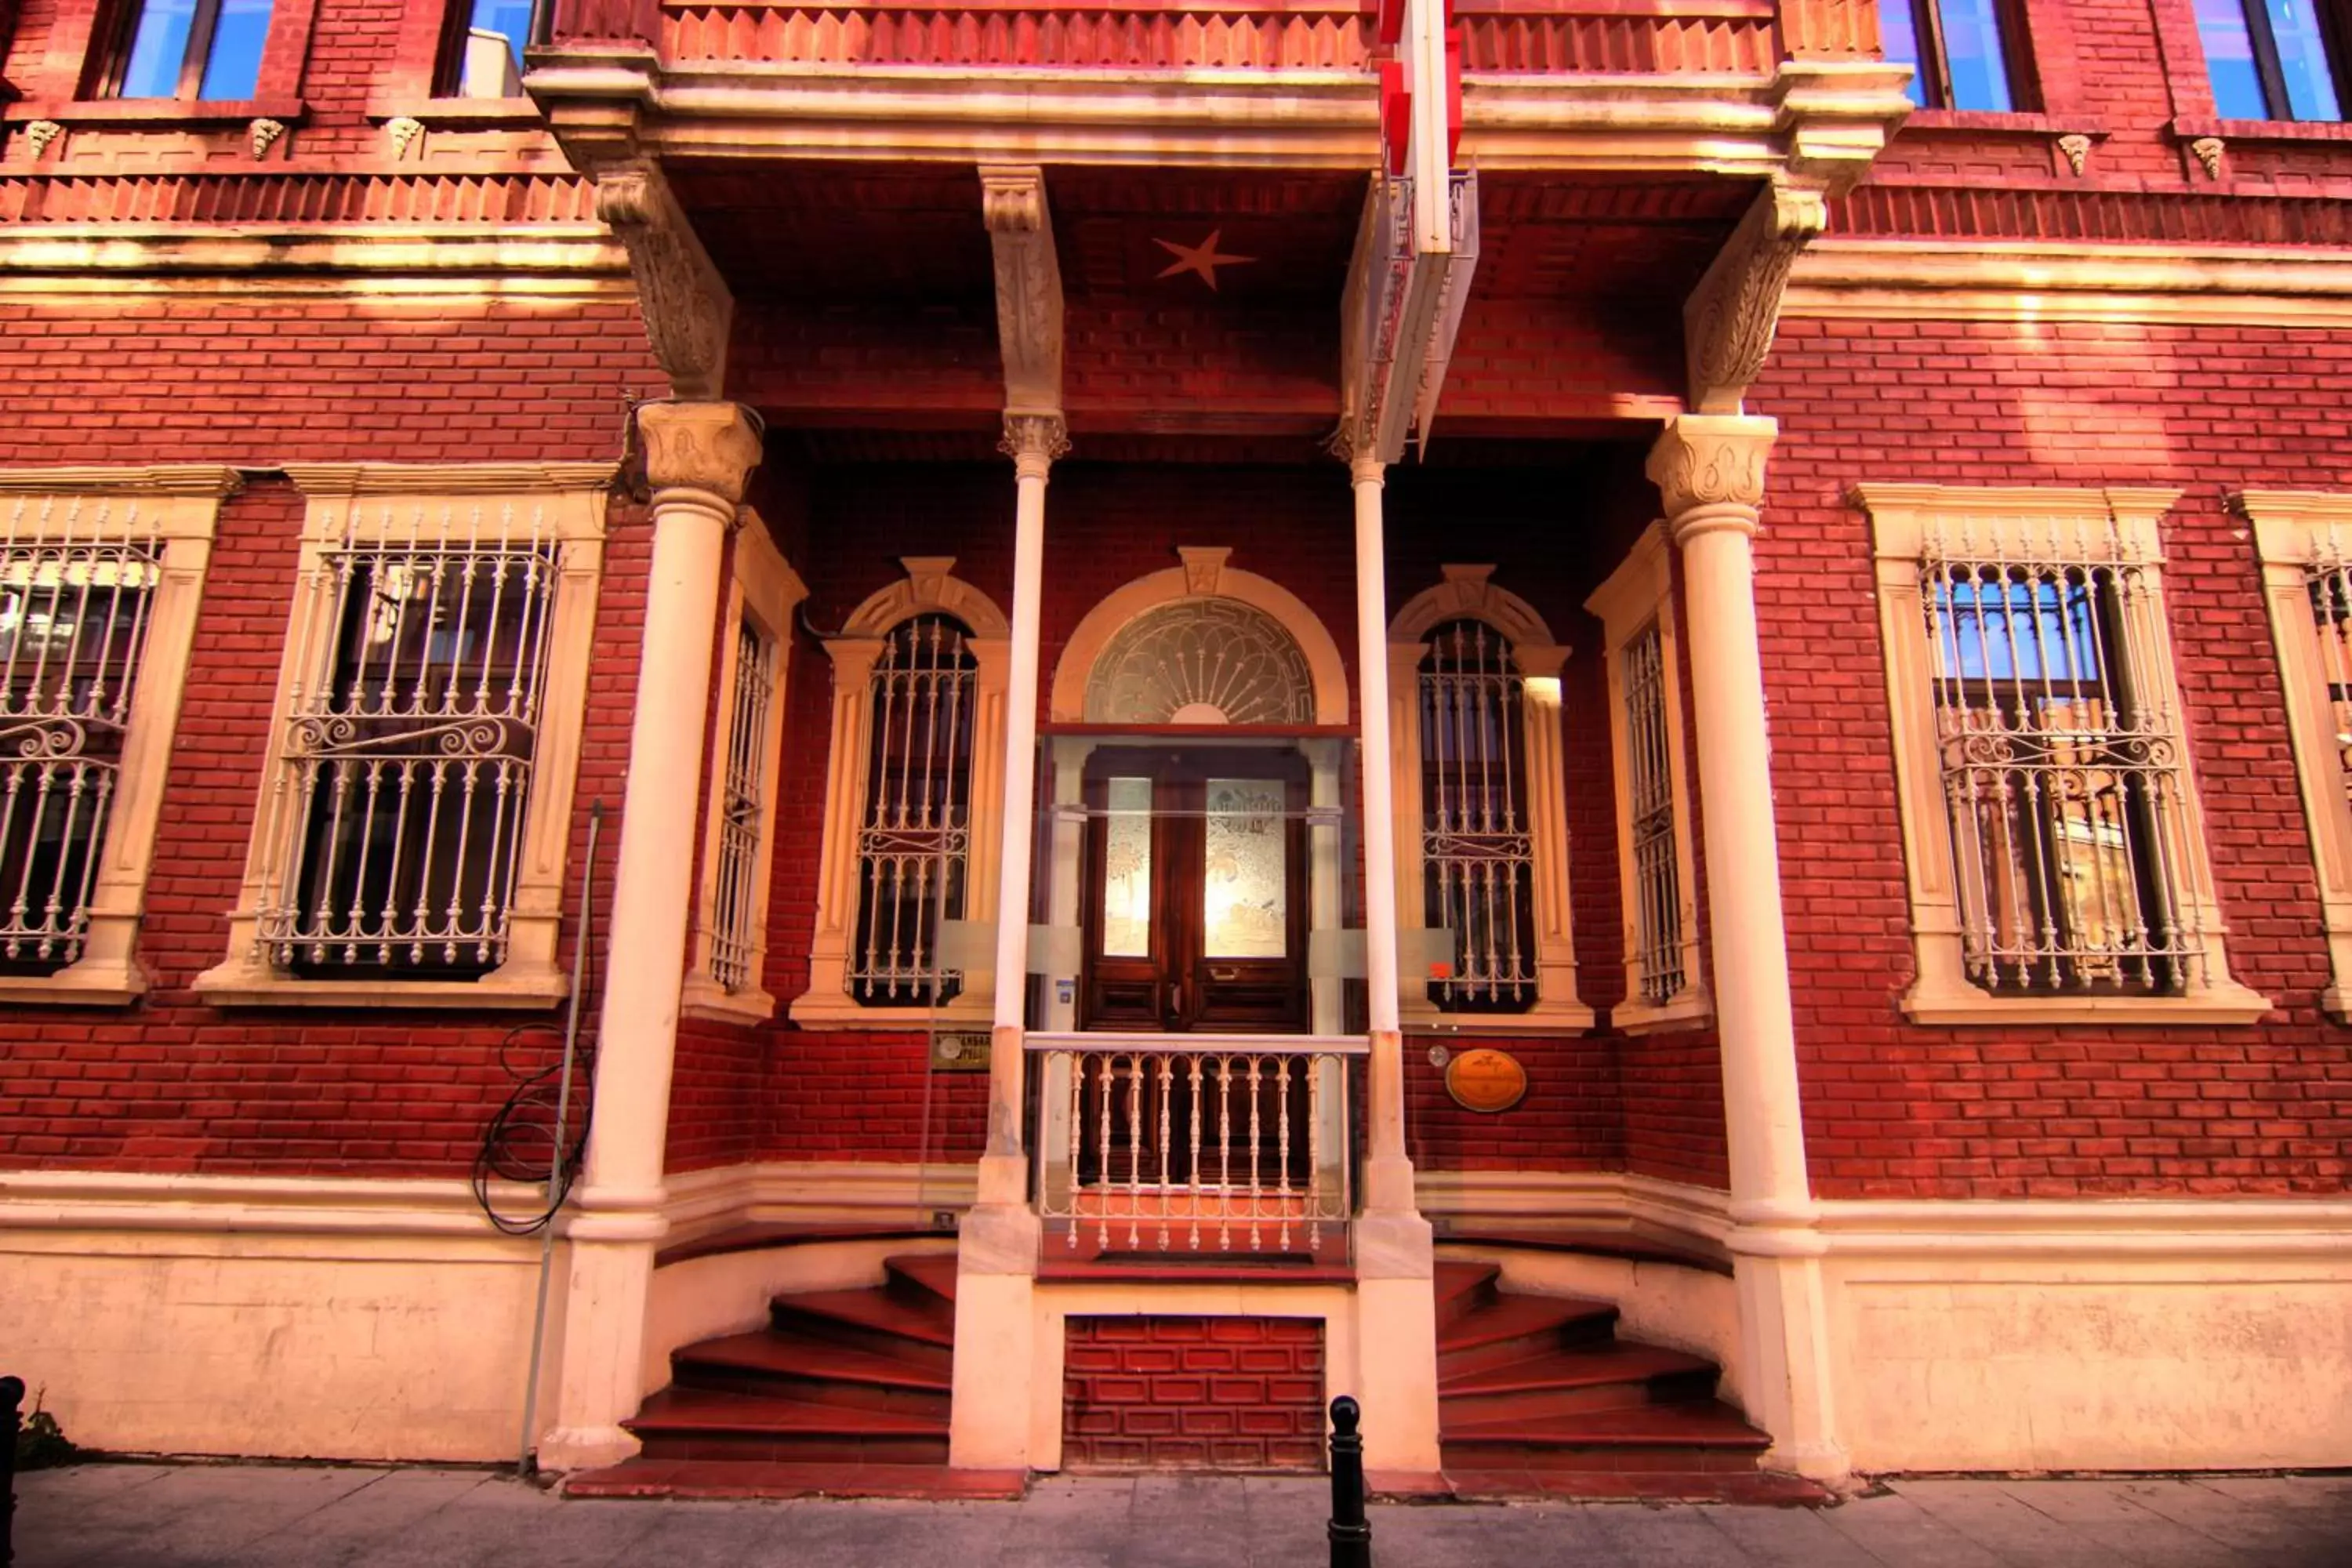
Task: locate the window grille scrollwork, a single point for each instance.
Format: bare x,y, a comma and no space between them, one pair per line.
76,604
1657,889
1478,853
913,848
404,770
2062,767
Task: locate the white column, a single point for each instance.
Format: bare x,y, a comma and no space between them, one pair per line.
1710,471
996,1249
697,458
1396,1312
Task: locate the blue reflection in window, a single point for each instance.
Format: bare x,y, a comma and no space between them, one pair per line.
159,46
1899,32
509,19
2303,61
2004,629
1974,62
233,67
2230,60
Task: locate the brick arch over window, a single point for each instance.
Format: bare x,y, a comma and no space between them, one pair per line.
1203,574
1465,595
928,588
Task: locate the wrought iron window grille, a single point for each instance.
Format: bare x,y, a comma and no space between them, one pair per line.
916,841
1477,852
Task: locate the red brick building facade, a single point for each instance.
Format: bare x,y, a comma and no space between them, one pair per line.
1850,497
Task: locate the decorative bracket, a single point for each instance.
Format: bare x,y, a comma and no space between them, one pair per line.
1028,287
686,307
1728,321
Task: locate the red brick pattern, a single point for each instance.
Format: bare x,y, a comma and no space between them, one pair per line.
1230,1394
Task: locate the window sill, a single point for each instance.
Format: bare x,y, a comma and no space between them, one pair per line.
1544,1018
812,1012
2226,1003
89,983
458,113
705,998
1694,1009
2189,128
1980,121
238,983
164,113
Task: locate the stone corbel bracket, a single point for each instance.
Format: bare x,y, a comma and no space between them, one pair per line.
686,304
1730,317
1028,287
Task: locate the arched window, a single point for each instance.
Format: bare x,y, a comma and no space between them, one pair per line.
1481,816
1477,856
914,845
914,802
1202,661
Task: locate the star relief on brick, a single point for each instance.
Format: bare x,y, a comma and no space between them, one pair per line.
1202,260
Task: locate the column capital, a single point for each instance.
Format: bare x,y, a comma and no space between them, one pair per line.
707,447
1033,441
1364,460
1712,464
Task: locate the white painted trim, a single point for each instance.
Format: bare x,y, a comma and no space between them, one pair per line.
1966,280
2113,1228
1593,1199
701,1203
236,1205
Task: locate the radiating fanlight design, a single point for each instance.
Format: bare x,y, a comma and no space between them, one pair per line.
1202,661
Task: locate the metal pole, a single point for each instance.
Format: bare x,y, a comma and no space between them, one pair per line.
12,1395
555,1157
1350,1532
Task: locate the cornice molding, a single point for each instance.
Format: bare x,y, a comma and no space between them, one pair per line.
163,478
446,479
1841,278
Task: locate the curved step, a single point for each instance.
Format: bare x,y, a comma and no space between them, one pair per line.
1462,1288
869,1321
922,1279
1613,1376
816,1372
1700,1436
1515,1327
706,1423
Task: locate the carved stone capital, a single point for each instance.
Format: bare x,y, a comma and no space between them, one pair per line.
1728,321
1359,453
707,446
1033,441
686,304
1709,468
1028,284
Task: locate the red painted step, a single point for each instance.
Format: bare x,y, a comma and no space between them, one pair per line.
1614,1375
845,1394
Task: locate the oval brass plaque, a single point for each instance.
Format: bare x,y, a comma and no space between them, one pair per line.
1485,1079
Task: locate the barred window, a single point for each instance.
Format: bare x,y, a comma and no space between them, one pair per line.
2327,583
75,612
1657,955
741,802
2061,763
1477,855
406,768
914,845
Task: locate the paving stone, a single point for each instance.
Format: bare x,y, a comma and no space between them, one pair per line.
1789,1537
1990,1514
1898,1532
2107,1515
2277,1536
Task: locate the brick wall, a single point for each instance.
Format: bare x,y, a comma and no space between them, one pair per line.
170,1084
1232,1393
1893,1110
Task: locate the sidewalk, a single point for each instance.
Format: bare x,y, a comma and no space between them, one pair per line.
177,1516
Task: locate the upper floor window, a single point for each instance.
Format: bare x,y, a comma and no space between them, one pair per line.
209,49
482,54
2273,59
1965,53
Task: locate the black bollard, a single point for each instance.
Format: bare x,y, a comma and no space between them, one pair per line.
1352,1533
12,1394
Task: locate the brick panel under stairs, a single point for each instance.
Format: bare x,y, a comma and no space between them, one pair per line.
1538,1396
845,1394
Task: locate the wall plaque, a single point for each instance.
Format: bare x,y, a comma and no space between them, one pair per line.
961,1050
1485,1079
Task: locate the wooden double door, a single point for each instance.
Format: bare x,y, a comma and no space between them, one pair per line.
1195,878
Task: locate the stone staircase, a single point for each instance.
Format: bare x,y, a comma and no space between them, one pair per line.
845,1394
1538,1396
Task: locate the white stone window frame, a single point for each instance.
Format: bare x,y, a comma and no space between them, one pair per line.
1466,594
1638,595
928,587
2292,529
570,500
178,506
1903,517
762,590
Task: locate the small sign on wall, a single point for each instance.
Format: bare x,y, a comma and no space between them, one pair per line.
960,1050
1486,1080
